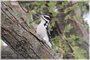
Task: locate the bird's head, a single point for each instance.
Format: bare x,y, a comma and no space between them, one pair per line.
46,18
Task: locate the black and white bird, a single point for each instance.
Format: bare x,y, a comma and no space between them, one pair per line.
42,29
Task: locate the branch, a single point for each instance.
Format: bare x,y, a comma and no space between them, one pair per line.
18,35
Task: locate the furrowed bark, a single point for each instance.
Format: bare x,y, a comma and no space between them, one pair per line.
20,37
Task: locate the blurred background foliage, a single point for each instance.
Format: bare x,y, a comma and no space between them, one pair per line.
66,27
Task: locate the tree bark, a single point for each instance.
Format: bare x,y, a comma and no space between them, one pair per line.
18,35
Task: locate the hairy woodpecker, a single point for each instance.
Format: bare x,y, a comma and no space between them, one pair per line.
42,28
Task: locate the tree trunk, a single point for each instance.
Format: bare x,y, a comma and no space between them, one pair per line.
18,35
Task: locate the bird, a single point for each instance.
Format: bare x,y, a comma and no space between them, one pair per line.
42,29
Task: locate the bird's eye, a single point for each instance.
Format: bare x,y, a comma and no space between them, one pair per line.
47,18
